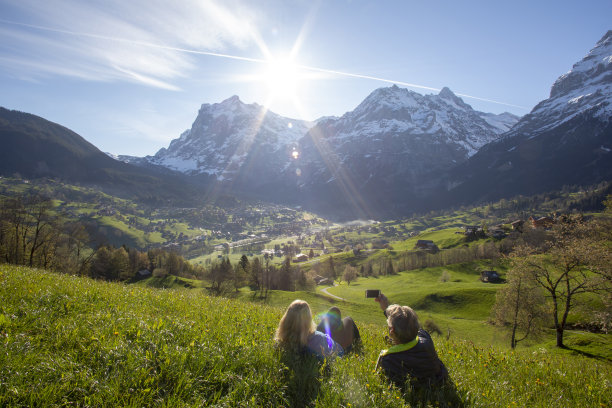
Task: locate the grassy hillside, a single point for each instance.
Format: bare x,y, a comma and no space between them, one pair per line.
73,341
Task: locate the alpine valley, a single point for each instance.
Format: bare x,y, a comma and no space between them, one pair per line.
396,153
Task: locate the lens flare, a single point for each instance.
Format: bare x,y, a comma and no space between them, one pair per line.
324,318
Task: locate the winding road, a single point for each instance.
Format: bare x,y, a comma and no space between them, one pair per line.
324,290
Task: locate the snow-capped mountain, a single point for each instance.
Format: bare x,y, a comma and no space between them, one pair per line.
445,117
394,135
428,130
587,87
227,136
391,142
566,139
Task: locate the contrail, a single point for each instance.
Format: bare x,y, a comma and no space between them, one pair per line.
248,59
135,42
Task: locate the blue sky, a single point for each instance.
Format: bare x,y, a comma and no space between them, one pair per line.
129,76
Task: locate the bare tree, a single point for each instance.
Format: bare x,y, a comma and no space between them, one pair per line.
520,303
41,227
568,268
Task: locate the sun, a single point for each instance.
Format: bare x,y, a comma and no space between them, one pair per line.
282,77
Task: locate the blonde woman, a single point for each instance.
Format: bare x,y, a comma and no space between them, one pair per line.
296,332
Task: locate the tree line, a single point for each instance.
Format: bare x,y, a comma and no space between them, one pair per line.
32,233
259,274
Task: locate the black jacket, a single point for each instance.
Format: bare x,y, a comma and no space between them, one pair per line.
420,364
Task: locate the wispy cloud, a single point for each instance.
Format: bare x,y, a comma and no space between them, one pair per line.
103,39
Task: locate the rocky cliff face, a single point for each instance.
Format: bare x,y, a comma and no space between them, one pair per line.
388,146
565,139
394,136
229,137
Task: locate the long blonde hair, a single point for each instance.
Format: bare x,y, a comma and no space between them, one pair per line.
295,326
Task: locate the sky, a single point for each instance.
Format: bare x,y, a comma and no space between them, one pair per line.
130,76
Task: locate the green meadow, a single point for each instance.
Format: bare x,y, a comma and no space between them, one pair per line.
73,341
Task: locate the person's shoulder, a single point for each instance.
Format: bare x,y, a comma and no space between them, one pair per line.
424,335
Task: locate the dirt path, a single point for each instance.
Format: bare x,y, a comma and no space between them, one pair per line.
324,290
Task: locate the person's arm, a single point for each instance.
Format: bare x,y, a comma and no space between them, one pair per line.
383,302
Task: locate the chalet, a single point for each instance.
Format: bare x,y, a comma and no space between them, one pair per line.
517,225
268,252
497,233
490,277
143,273
426,245
542,222
473,232
320,280
300,258
471,229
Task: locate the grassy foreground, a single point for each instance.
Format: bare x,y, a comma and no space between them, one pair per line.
69,341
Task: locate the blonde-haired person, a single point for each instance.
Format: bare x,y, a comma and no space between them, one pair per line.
412,357
296,333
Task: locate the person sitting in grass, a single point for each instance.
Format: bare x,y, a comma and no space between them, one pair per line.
412,359
342,330
296,333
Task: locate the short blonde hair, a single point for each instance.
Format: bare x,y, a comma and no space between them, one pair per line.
404,321
295,326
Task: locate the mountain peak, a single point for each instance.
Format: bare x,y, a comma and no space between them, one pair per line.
607,37
234,99
595,67
446,93
392,95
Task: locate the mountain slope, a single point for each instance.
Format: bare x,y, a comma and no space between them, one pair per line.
387,147
34,147
391,139
566,139
226,137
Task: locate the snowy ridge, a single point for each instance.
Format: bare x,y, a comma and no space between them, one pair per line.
439,119
393,131
224,135
565,139
587,87
395,137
